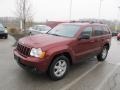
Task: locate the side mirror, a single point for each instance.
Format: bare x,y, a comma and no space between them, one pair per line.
85,36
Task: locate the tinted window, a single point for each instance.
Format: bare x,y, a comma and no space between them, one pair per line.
67,30
106,30
98,30
88,31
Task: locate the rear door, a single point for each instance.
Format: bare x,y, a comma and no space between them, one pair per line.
98,36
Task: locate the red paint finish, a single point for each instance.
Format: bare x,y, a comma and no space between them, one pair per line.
55,45
118,36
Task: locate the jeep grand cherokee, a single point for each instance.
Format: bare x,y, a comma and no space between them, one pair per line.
64,45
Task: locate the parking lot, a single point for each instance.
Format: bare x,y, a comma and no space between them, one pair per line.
88,75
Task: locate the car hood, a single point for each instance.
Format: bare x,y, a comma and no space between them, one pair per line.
44,41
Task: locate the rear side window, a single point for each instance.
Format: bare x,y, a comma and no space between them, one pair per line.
106,30
98,30
88,31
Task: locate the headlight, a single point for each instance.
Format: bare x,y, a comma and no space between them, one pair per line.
6,31
37,53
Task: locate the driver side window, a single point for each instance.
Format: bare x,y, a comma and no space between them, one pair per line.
87,31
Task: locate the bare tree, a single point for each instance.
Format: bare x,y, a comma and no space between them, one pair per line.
23,12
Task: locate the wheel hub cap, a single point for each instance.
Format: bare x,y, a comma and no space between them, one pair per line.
104,53
60,68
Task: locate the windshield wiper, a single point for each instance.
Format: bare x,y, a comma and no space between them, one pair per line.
54,34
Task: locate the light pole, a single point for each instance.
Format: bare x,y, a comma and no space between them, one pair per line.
99,11
116,25
70,13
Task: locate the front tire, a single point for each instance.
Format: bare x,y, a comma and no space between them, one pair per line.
59,68
102,56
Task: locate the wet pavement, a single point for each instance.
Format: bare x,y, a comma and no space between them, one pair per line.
88,75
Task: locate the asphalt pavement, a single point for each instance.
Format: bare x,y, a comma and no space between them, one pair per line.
88,75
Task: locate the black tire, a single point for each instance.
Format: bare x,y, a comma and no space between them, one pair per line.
51,70
118,39
6,37
100,56
3,37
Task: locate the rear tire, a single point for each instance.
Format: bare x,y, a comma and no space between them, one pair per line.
102,56
59,68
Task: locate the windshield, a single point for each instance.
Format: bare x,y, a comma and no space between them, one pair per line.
1,29
66,30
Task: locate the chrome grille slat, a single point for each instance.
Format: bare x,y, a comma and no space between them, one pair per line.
23,50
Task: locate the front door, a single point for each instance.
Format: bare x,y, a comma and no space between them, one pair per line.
85,47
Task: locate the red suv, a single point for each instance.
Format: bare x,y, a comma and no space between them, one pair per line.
64,45
118,36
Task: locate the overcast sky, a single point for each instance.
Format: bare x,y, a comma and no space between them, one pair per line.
59,9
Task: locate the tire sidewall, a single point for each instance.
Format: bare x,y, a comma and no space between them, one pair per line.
106,52
100,57
51,69
6,37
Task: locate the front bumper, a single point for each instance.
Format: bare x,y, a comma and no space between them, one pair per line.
31,63
3,34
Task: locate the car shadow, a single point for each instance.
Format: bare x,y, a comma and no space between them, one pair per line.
40,81
73,69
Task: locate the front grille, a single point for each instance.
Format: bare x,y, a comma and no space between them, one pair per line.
25,51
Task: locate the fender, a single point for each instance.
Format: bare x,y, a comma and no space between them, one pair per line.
52,52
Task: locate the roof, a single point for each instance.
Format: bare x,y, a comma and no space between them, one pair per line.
81,24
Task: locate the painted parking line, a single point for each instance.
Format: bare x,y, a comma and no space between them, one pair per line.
107,78
80,77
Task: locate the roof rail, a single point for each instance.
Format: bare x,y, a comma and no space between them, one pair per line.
91,22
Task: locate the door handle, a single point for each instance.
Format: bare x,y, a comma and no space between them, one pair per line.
92,41
103,39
